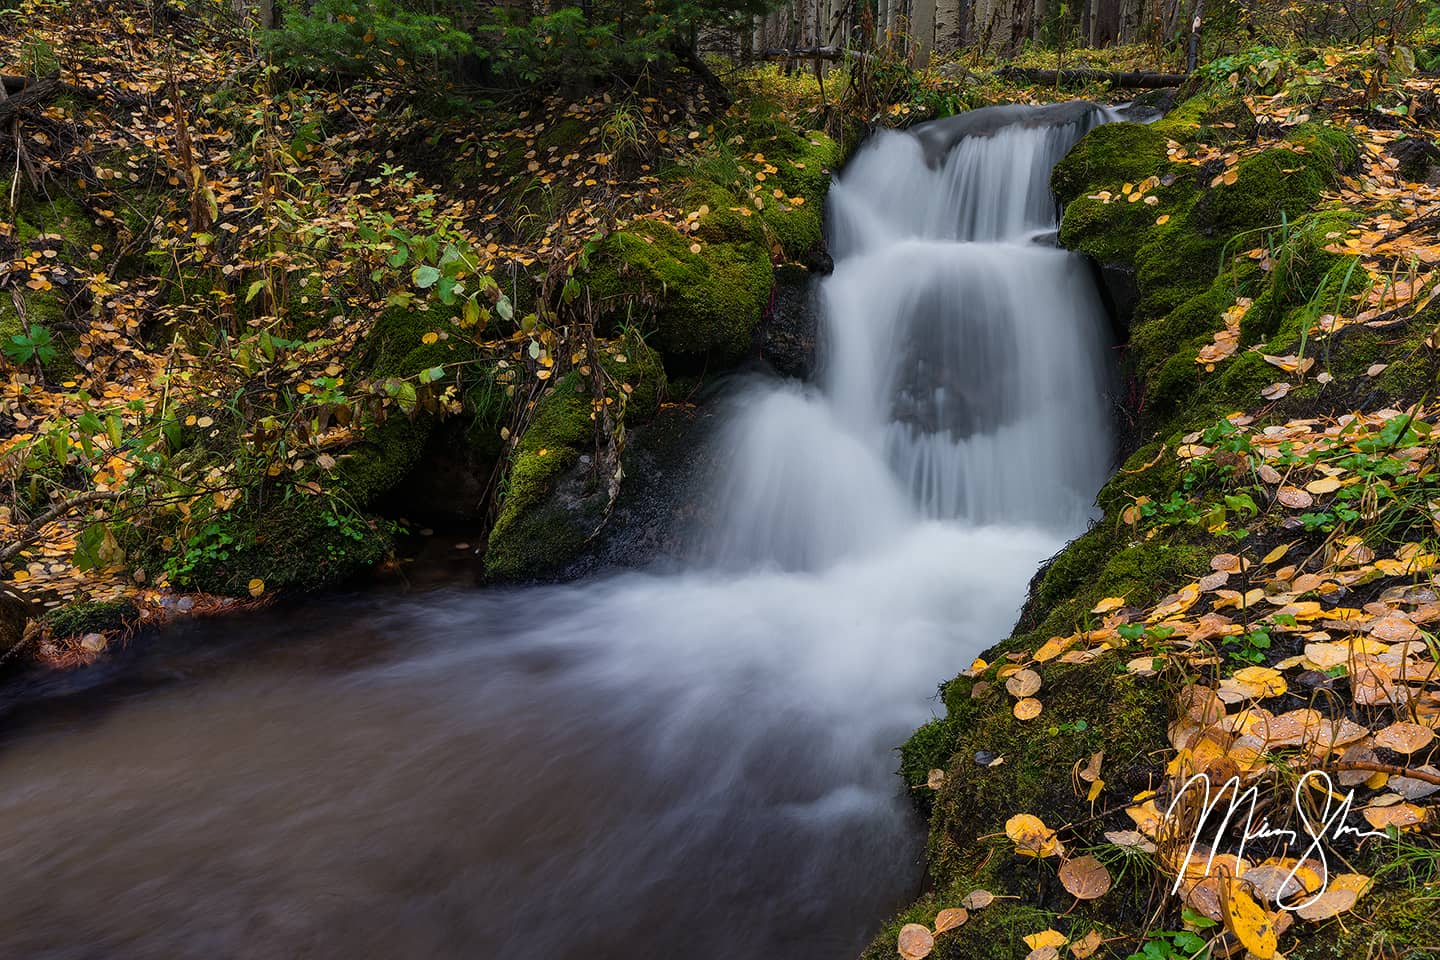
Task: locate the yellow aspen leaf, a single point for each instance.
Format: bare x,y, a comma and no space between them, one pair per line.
1332,902
1027,709
1030,836
1108,604
1087,945
1045,938
1277,553
1404,737
1250,922
256,587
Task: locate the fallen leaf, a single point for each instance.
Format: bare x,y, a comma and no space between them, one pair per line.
1023,683
1250,923
1028,708
915,941
1085,878
950,918
978,899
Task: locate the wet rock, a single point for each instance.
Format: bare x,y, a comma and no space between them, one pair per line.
789,335
14,615
1150,105
939,137
1120,293
661,503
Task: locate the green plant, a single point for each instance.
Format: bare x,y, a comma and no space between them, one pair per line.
34,345
1177,944
382,38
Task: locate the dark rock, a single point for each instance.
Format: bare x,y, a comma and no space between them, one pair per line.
1149,106
788,336
14,615
659,505
1120,293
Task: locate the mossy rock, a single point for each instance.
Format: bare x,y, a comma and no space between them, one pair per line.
552,503
95,616
297,541
705,302
293,539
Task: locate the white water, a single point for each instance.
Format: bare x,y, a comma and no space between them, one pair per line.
638,766
964,371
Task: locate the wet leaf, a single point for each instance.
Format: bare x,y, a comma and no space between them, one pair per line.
1085,878
1404,737
1250,923
950,918
915,941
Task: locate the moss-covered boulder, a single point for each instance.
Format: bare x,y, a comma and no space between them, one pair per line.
95,616
996,767
1138,197
321,527
755,199
554,496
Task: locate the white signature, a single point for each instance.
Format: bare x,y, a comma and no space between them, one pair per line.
1330,825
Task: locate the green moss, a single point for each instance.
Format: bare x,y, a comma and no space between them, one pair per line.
395,346
531,532
705,302
1122,715
291,541
1114,153
563,135
77,619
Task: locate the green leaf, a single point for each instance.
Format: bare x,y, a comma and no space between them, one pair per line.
503,307
87,547
255,289
425,276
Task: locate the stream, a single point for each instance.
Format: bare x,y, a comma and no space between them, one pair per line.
695,763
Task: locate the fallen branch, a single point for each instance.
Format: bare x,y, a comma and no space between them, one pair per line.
1390,768
812,53
32,530
1117,78
32,94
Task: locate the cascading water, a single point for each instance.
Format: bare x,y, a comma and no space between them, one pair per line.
641,765
964,372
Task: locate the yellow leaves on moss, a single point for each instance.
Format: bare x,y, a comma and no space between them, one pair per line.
1031,837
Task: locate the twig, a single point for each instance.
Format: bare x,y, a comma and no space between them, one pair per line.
1390,768
32,530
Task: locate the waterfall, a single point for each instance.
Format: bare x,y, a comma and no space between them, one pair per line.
963,369
645,764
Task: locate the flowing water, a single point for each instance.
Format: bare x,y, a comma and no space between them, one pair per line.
696,763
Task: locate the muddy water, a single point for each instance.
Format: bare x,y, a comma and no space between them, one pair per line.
637,767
